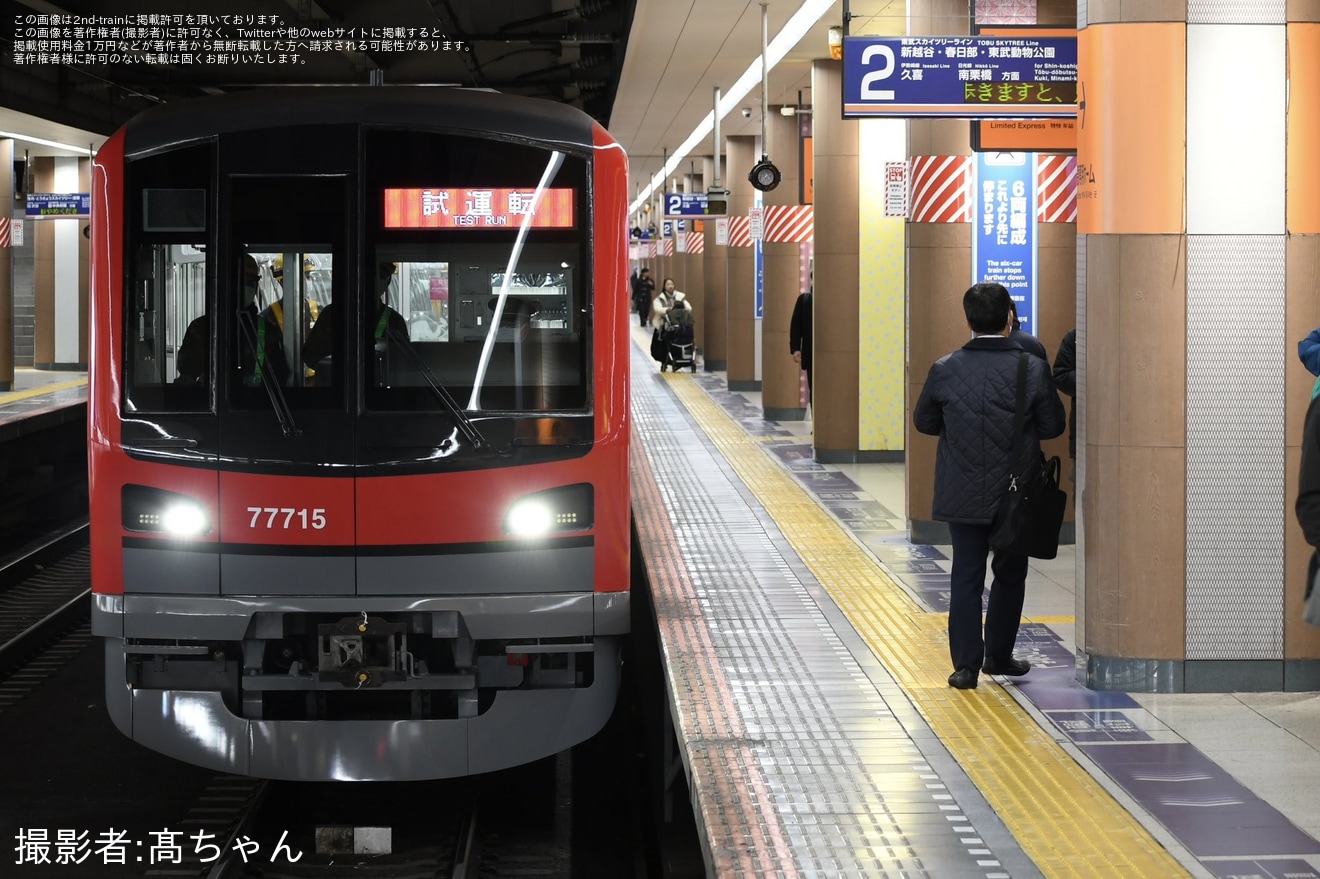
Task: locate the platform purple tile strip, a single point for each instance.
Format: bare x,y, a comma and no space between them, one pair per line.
1280,869
1199,802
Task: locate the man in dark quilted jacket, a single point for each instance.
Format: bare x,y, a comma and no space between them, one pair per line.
968,401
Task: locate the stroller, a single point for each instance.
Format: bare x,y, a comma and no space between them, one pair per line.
678,340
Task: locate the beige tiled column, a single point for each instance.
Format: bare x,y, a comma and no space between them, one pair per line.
43,268
939,272
84,264
712,320
740,323
780,383
834,352
1190,306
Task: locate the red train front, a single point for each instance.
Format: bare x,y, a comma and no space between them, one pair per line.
359,427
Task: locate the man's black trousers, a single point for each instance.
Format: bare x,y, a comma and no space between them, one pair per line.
971,547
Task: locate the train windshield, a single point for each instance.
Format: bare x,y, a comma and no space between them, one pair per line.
416,271
478,250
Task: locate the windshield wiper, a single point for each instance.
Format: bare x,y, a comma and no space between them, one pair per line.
492,331
465,425
247,325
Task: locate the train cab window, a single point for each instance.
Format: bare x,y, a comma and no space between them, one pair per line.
494,340
278,312
284,340
172,344
169,343
488,240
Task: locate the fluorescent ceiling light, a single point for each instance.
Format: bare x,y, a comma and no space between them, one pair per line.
50,143
802,21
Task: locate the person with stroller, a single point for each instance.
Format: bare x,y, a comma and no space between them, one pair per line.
677,335
660,306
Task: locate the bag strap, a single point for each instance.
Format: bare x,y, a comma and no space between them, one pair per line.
1019,418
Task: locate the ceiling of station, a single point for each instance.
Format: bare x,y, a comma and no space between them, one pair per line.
680,50
644,68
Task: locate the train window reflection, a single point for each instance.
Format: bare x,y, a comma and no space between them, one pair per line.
169,331
287,237
288,305
426,303
535,359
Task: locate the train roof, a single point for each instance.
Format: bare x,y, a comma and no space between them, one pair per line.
414,107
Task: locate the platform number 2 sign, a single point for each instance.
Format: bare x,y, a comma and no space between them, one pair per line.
870,91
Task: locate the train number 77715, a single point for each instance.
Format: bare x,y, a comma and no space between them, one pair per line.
316,517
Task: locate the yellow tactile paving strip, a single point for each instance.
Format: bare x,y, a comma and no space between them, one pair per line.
1063,819
15,396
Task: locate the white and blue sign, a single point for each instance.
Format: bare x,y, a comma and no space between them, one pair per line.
1004,228
54,205
668,230
759,258
685,204
972,77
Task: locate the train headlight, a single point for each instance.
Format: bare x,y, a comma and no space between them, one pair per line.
163,512
184,519
554,511
530,517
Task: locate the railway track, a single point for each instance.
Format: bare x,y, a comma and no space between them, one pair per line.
412,837
44,593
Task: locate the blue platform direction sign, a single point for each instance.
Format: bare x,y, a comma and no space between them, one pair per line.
1004,228
971,77
56,205
685,204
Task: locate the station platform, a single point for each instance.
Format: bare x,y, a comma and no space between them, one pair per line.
40,399
806,657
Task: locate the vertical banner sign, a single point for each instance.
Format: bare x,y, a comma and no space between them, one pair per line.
1004,228
722,232
806,160
16,233
756,225
896,189
760,278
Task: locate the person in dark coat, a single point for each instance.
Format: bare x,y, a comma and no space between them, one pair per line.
386,327
1025,340
968,401
194,357
1307,507
1065,379
1309,351
799,336
642,292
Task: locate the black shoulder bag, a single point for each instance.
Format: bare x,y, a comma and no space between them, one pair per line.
1030,514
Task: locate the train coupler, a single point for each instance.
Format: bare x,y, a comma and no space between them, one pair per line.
362,651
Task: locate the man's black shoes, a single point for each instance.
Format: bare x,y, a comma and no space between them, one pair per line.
1013,668
963,679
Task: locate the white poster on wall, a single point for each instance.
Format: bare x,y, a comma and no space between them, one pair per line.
722,231
16,233
896,189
